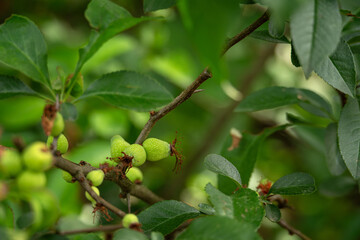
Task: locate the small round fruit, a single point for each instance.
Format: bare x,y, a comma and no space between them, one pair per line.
88,197
137,152
62,143
10,162
96,177
129,219
67,176
134,174
156,149
29,181
37,157
118,145
58,126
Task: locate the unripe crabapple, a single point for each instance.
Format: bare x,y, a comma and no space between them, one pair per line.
134,174
137,152
58,126
89,197
62,143
29,181
118,145
10,162
96,177
156,149
67,176
129,219
37,157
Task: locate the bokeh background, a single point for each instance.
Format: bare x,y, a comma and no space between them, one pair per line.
168,51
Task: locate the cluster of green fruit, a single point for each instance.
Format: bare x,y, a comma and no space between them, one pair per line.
28,168
152,149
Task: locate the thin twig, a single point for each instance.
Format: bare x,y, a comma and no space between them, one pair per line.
206,74
183,96
106,228
126,185
292,230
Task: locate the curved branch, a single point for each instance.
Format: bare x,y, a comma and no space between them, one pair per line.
206,74
292,230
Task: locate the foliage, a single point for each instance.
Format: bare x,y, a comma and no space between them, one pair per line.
143,63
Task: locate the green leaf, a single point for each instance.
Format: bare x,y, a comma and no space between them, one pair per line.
294,184
272,212
101,13
166,216
128,234
157,236
348,132
23,48
294,57
315,31
339,70
153,5
217,227
244,156
247,207
276,26
273,97
334,159
206,209
220,165
264,35
222,203
130,90
11,86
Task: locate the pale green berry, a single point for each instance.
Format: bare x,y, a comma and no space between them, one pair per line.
10,162
137,152
118,145
37,157
129,219
96,177
134,174
88,197
58,126
156,149
67,176
29,181
62,143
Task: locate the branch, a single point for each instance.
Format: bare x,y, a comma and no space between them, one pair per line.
247,31
126,185
106,228
292,230
184,95
206,74
79,172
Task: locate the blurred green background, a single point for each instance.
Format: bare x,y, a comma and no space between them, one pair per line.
168,51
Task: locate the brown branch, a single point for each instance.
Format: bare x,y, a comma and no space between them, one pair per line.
247,31
292,230
106,228
184,95
126,185
206,74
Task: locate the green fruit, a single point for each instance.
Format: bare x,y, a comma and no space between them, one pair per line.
96,177
58,126
118,145
67,176
156,149
62,143
29,181
129,219
137,152
10,162
37,157
134,174
88,197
